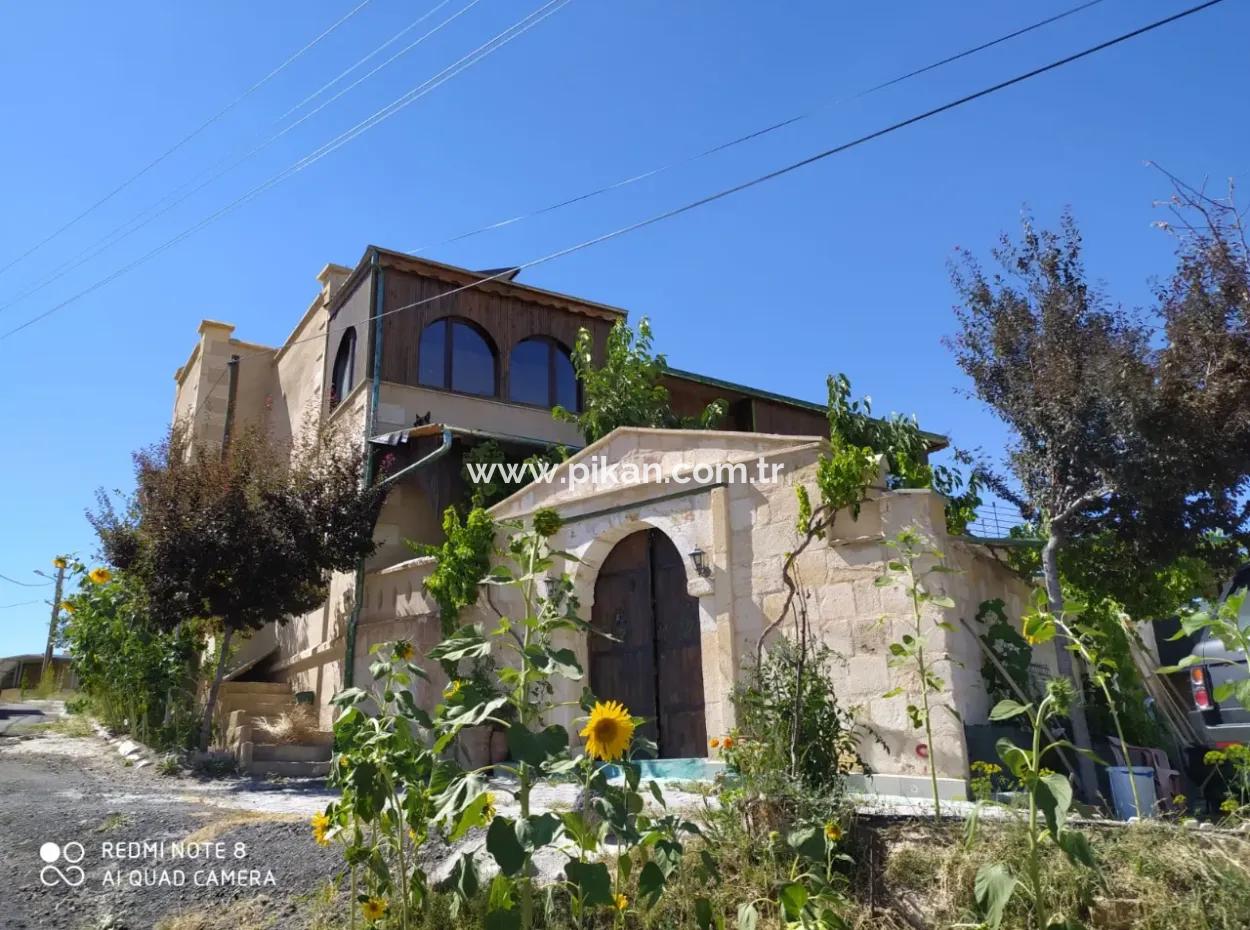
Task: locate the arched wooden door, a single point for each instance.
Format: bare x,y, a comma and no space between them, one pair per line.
654,665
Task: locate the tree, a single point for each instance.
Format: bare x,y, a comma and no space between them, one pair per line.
241,537
626,389
1072,376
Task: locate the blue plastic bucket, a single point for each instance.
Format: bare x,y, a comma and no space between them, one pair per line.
1122,790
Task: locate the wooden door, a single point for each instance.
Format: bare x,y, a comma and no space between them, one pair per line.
624,670
655,665
679,655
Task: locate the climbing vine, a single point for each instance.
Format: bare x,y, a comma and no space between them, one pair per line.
464,559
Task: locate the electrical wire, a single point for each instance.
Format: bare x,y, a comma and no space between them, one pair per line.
20,604
794,166
760,179
516,30
216,170
26,584
185,139
757,133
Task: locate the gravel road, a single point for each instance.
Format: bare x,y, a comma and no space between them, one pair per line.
136,850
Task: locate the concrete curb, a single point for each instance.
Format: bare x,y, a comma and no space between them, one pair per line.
131,750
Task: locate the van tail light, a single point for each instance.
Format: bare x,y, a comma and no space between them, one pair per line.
1200,688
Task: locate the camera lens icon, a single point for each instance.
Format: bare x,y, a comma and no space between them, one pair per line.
72,853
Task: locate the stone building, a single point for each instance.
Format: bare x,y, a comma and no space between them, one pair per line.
679,534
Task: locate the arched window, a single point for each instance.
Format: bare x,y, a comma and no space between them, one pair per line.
457,356
540,372
343,375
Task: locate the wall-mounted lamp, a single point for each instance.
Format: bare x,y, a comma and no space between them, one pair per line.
700,565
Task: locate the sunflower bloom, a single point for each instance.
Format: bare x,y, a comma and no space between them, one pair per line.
403,650
373,908
620,902
833,832
488,809
320,824
60,562
609,731
714,743
99,575
452,689
727,743
67,607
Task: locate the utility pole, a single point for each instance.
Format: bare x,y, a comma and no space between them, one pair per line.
56,615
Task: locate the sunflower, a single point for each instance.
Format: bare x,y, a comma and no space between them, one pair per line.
320,824
608,731
547,522
488,809
373,908
727,743
714,743
403,650
99,575
620,902
833,832
67,606
60,562
452,689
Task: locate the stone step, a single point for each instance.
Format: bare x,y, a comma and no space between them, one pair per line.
290,752
263,706
291,769
255,687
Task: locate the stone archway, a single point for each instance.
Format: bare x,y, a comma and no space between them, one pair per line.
654,663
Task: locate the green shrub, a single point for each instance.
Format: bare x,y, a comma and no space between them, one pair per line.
137,679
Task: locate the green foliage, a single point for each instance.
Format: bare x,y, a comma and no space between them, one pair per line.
138,678
1011,649
464,559
485,494
916,561
1050,801
401,786
241,537
1103,646
828,736
626,389
1221,622
1232,765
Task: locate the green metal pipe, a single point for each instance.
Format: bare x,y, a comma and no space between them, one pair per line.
375,330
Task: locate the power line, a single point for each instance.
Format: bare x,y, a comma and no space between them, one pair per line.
20,604
185,139
794,166
512,32
215,171
757,133
27,584
389,42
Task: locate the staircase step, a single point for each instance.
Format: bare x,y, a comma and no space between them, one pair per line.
290,752
291,769
259,707
255,687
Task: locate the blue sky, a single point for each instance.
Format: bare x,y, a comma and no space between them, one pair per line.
838,267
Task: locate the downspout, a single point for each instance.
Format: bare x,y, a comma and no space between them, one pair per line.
443,449
232,393
371,413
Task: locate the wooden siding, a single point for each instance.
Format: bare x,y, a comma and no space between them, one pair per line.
505,318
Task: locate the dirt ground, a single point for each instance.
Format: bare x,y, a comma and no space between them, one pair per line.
136,850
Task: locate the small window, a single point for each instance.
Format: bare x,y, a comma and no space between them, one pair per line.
540,372
456,356
343,375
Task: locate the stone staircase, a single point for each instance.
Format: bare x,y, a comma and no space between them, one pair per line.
241,704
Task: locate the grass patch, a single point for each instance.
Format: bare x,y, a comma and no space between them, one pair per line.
255,914
229,821
72,726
